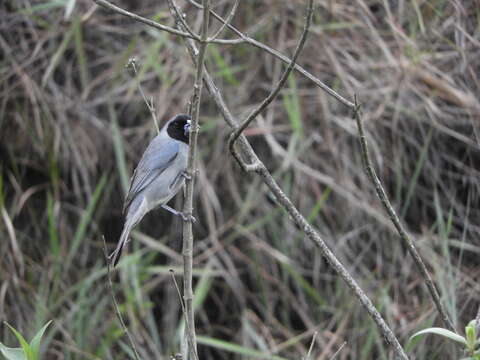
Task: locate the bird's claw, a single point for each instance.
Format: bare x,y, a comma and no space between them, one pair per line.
186,176
188,218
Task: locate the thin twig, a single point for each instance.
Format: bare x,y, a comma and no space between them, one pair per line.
184,311
132,62
277,54
382,195
248,152
188,202
236,133
115,303
180,17
227,21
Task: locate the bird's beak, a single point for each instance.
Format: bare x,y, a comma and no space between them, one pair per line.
186,128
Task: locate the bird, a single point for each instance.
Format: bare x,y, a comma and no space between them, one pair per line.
159,175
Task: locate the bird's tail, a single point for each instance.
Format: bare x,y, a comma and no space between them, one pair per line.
136,211
115,256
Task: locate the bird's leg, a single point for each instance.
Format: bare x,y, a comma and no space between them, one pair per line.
179,213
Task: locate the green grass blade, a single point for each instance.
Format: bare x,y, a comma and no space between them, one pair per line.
416,173
52,228
235,348
57,56
291,102
119,150
84,221
35,343
80,52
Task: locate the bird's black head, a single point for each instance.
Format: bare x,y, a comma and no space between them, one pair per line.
179,128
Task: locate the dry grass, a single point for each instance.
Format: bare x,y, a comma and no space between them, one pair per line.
72,126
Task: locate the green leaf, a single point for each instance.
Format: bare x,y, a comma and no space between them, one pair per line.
440,331
12,353
471,336
23,343
35,343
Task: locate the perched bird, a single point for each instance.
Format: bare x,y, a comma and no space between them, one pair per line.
159,175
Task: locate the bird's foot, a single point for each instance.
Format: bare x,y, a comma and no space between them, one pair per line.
188,217
186,175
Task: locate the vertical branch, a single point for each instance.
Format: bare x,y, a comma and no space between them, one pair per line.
188,203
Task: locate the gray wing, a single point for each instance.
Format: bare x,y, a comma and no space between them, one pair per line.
160,153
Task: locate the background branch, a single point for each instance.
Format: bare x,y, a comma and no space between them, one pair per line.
263,105
407,241
227,21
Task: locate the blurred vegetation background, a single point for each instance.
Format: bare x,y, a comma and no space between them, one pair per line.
73,125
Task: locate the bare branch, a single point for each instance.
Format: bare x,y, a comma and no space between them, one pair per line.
108,5
236,133
227,21
158,26
277,54
410,245
247,152
188,201
179,16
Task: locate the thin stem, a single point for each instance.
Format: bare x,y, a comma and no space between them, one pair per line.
115,303
382,195
150,106
188,203
184,311
236,133
181,19
227,21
